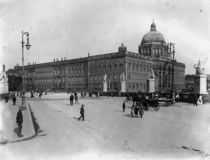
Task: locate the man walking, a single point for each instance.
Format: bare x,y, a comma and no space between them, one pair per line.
19,121
14,99
82,113
71,99
136,110
195,100
76,98
141,110
123,106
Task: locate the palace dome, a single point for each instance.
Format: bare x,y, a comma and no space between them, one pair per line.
153,36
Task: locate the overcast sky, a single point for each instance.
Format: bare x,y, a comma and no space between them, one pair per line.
72,28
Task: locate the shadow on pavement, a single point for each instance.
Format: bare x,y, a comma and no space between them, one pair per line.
118,110
128,115
76,118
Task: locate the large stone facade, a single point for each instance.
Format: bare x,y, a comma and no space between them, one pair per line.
169,74
87,74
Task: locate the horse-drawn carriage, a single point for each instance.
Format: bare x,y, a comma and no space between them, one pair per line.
147,102
151,103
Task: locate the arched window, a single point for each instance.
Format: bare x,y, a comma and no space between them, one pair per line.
129,66
121,66
115,66
110,67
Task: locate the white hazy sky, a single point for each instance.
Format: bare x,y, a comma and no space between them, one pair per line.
72,28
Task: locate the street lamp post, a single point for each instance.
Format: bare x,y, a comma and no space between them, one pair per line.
172,49
27,47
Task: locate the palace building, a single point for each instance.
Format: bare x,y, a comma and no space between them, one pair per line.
87,74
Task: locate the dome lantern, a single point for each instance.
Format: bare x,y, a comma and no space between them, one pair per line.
153,36
153,27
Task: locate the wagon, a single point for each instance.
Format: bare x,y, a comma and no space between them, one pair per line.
151,103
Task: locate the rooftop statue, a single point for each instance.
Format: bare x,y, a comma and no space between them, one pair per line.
199,67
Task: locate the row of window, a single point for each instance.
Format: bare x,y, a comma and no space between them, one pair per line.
136,86
134,76
106,67
139,67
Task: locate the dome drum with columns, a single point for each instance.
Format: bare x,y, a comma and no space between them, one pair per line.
153,44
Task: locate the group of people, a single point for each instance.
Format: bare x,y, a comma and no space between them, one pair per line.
137,109
10,96
19,115
73,98
197,99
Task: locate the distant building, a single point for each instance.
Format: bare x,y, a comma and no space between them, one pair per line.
3,82
168,72
87,74
189,82
208,82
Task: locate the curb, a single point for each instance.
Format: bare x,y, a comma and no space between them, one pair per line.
28,108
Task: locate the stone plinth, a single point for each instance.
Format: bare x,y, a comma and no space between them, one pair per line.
151,85
200,84
105,87
122,86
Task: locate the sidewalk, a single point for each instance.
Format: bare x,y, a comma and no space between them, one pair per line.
8,119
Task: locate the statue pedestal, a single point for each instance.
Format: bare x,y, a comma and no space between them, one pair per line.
105,87
151,85
200,84
122,86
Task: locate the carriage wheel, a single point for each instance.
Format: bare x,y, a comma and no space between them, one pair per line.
156,108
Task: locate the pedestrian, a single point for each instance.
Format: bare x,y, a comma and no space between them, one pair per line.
6,97
136,110
200,101
132,109
14,99
40,94
123,106
177,98
141,110
195,100
71,99
76,99
19,121
82,113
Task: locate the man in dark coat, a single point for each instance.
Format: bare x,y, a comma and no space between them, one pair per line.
195,100
123,106
141,110
82,113
14,99
6,98
136,110
19,121
76,98
71,99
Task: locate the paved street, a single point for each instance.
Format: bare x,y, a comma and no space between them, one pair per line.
181,131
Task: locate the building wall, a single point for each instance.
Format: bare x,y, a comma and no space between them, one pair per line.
87,74
137,73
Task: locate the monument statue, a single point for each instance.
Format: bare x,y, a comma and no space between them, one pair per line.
105,78
199,67
122,76
151,73
200,78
